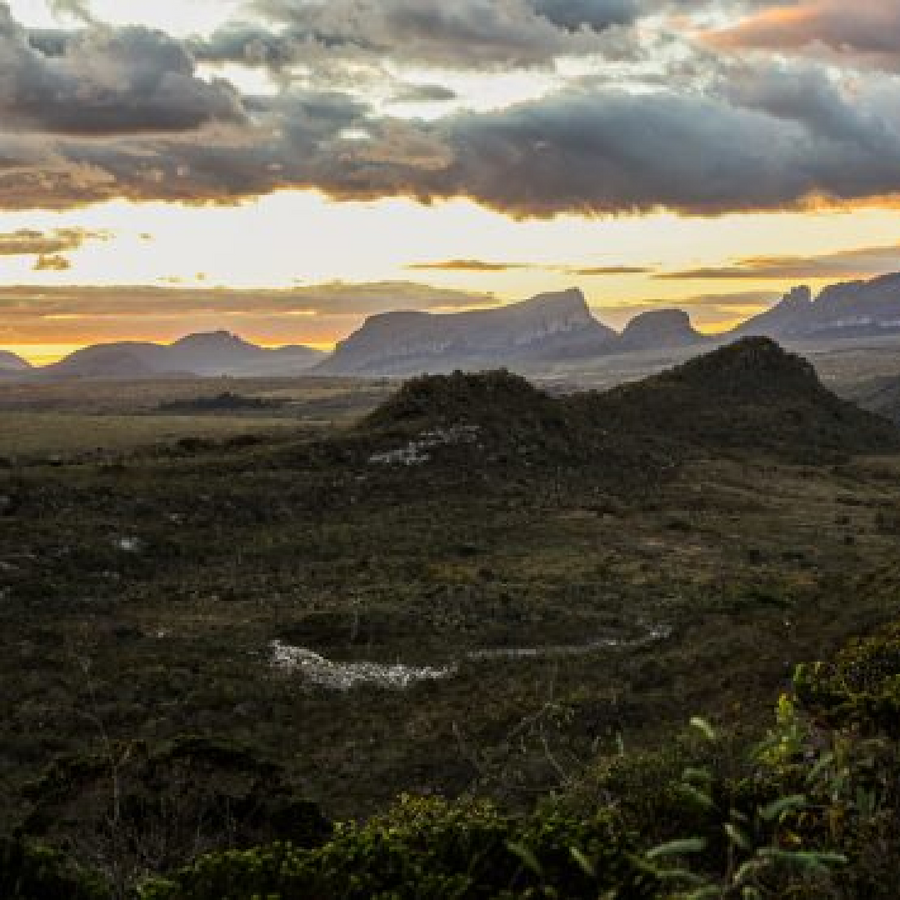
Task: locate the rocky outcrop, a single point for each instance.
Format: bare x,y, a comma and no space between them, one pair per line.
545,328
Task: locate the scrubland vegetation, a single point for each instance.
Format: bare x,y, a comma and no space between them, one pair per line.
586,574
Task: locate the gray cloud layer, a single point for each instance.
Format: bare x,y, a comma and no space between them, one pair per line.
105,81
105,112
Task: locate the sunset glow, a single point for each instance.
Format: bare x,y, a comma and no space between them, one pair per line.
213,149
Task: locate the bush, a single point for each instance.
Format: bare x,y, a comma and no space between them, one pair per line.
429,848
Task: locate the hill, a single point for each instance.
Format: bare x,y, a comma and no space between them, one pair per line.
11,362
547,327
748,396
661,329
212,354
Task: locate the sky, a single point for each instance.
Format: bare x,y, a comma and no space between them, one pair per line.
283,168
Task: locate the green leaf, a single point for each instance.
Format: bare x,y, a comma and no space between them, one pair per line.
779,807
526,855
737,836
704,728
678,848
698,796
702,776
804,859
584,863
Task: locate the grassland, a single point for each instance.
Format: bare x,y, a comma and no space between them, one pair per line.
76,419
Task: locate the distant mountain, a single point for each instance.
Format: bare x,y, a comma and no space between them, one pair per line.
546,328
853,309
663,329
748,396
212,354
10,362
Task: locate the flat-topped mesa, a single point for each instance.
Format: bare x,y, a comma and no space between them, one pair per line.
660,330
548,326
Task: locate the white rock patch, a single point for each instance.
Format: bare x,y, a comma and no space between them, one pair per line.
344,676
415,453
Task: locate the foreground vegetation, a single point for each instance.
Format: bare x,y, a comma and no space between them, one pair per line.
213,653
811,811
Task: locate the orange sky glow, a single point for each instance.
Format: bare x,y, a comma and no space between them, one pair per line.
262,178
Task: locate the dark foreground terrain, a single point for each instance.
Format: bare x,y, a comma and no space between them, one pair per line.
480,593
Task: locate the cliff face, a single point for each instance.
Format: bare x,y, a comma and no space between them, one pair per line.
853,309
546,327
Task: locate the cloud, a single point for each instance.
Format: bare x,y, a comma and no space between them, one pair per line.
334,299
714,312
611,270
106,113
842,264
463,34
467,265
52,263
423,93
594,14
866,28
477,265
314,313
104,81
27,242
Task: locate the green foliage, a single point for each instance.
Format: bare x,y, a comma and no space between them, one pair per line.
429,848
31,872
859,689
136,809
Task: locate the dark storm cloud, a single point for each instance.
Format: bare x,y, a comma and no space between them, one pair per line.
595,14
579,151
462,34
610,150
103,113
103,81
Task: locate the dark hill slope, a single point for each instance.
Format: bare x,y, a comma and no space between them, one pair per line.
751,396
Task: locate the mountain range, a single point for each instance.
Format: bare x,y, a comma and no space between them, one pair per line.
750,395
547,329
201,355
